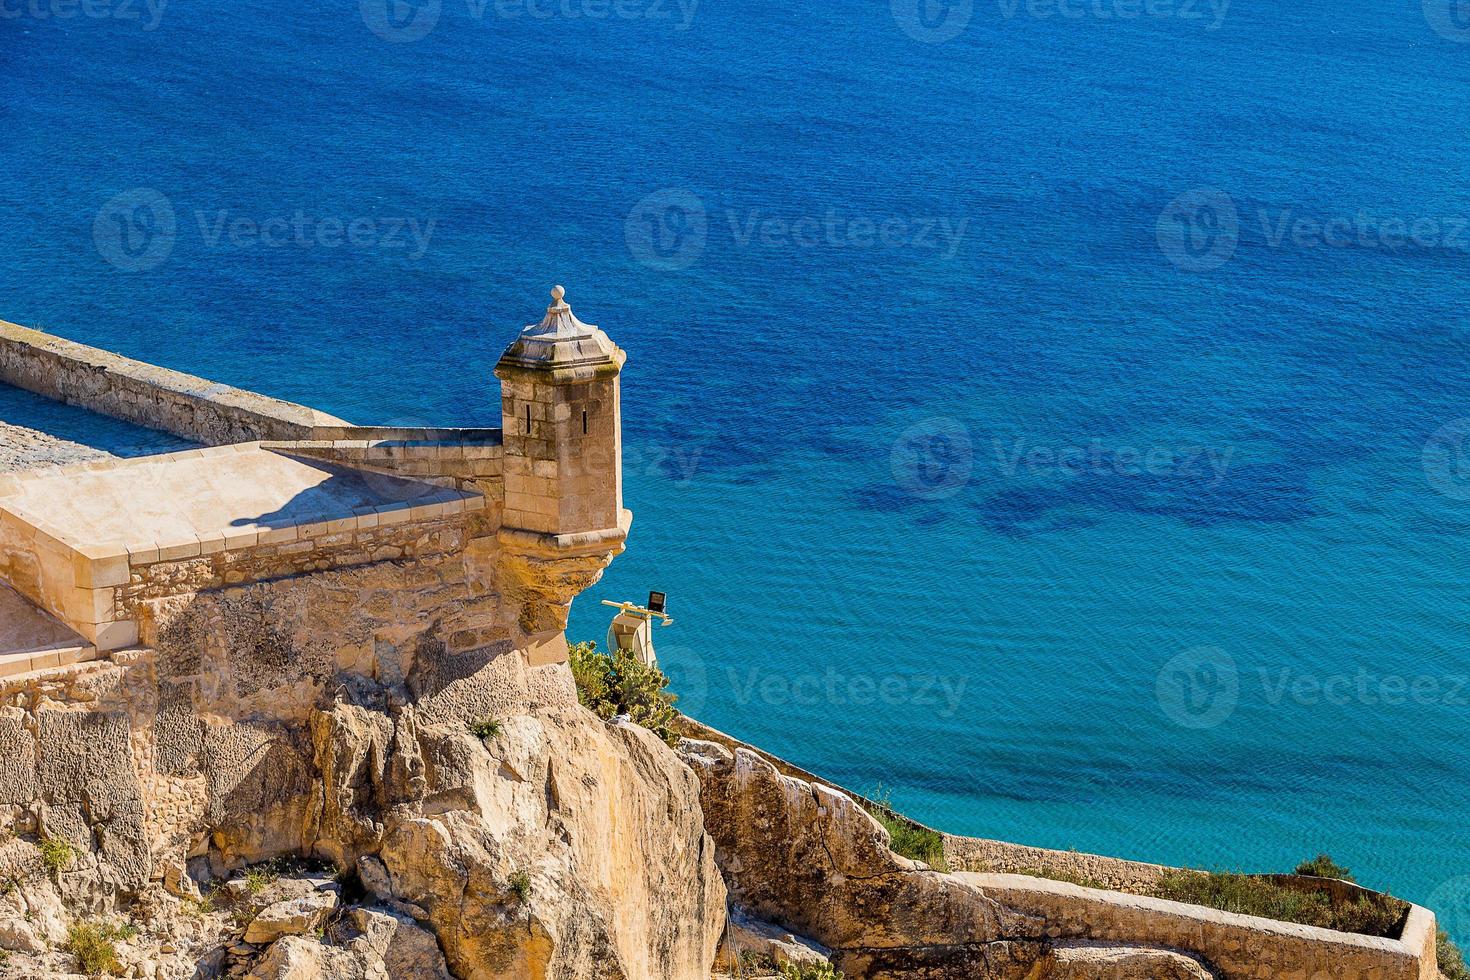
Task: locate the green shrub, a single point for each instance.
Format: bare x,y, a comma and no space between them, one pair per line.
520,886
56,854
485,728
1323,866
261,876
621,685
1369,915
906,837
94,946
823,972
1451,960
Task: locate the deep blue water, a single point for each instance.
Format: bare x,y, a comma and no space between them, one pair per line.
983,455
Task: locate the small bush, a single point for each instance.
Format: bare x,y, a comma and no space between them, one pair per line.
906,837
198,907
94,946
261,876
520,886
1323,866
823,972
56,854
1451,960
1370,915
485,728
622,685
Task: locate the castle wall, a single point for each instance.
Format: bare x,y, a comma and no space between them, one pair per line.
150,396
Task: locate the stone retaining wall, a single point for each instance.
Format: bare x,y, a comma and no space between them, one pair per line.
154,397
1238,947
1003,857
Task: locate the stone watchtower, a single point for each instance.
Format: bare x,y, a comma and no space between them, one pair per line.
564,518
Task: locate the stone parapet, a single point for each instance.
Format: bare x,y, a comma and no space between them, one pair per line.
148,395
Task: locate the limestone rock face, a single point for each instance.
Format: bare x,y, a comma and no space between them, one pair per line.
562,848
751,940
292,917
1102,961
810,859
371,943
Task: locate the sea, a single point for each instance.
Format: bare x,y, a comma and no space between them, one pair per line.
1050,414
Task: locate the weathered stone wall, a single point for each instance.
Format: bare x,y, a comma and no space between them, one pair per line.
1003,857
1238,947
154,397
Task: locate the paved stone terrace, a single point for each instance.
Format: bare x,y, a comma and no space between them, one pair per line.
37,432
231,494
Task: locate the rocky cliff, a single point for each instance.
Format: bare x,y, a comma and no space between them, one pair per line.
555,846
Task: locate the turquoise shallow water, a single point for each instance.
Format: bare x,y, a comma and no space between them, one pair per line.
1059,424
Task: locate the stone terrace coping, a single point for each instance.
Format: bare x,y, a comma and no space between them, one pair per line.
151,396
73,534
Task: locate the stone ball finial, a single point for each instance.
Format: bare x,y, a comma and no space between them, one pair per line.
557,292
